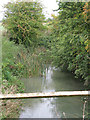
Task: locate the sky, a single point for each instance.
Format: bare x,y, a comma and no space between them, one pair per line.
49,6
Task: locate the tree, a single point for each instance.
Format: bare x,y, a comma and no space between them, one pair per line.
70,36
24,22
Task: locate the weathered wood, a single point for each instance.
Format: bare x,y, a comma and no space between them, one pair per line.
42,95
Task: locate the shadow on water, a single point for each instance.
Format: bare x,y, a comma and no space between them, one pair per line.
60,107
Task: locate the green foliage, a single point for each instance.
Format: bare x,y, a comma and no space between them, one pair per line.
11,69
69,43
24,22
19,61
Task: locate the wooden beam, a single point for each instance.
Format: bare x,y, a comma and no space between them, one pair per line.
42,95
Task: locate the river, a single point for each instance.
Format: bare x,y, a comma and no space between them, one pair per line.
59,107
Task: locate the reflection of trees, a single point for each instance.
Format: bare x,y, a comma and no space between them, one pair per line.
65,81
69,107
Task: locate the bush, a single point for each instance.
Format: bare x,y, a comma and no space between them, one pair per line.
19,61
70,39
11,69
24,22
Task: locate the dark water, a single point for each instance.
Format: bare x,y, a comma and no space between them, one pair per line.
60,107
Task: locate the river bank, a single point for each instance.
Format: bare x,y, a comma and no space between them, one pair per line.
9,108
9,82
17,62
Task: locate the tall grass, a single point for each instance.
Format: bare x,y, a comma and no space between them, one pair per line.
31,61
19,61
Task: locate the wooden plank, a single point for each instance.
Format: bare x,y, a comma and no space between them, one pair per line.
42,95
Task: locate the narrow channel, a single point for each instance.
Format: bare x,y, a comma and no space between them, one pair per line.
60,107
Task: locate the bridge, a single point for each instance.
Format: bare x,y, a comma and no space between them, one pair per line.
44,95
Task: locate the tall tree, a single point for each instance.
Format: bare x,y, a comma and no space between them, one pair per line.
70,34
24,22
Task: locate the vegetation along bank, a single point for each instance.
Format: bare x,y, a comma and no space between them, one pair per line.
30,41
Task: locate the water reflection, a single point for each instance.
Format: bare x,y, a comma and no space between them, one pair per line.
60,107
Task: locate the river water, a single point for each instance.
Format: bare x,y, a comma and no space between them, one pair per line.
59,107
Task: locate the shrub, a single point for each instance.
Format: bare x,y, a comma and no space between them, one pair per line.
24,22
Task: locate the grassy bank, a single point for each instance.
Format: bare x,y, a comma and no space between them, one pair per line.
10,82
18,62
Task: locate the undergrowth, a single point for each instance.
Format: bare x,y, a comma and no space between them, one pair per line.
18,61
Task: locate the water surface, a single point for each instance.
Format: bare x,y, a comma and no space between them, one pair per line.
59,107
